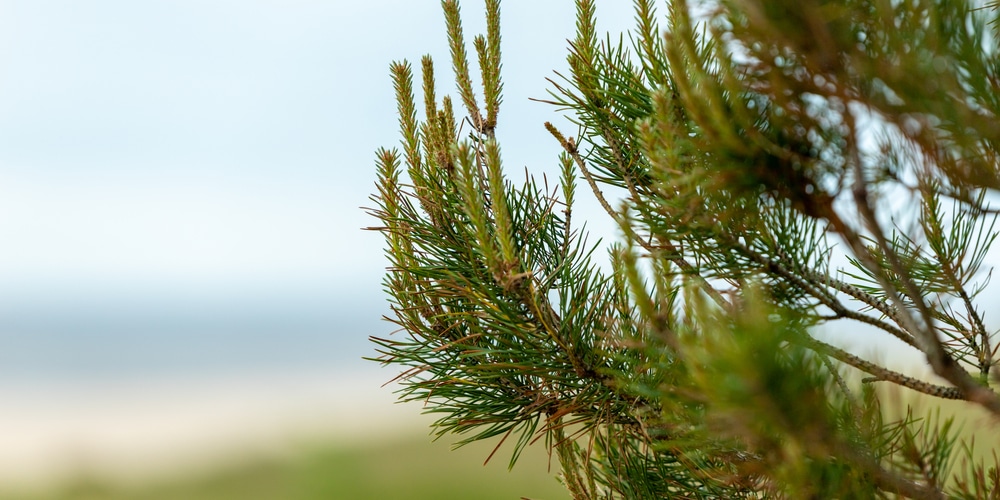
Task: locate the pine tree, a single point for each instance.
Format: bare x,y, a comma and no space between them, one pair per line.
753,141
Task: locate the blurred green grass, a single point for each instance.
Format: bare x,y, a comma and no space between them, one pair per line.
408,468
974,426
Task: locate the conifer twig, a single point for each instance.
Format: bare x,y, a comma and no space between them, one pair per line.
883,374
684,265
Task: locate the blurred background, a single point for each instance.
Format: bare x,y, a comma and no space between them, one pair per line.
185,289
186,293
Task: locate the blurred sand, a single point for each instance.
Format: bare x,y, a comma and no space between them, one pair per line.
128,431
133,430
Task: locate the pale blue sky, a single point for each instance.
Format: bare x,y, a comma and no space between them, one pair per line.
186,154
198,166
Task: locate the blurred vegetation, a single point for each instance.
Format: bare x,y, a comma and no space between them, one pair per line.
410,468
413,468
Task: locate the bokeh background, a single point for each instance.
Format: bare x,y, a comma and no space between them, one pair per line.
185,288
186,293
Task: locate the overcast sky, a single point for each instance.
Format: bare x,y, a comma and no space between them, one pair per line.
216,143
176,153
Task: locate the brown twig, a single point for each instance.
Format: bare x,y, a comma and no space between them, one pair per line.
881,373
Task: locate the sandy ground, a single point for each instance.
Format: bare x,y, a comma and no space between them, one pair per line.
131,430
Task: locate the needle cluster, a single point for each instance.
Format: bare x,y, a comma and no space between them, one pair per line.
755,143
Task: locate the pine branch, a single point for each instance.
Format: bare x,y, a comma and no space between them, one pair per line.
570,147
883,374
737,135
859,295
460,63
775,267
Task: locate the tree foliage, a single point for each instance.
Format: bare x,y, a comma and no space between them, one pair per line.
752,142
